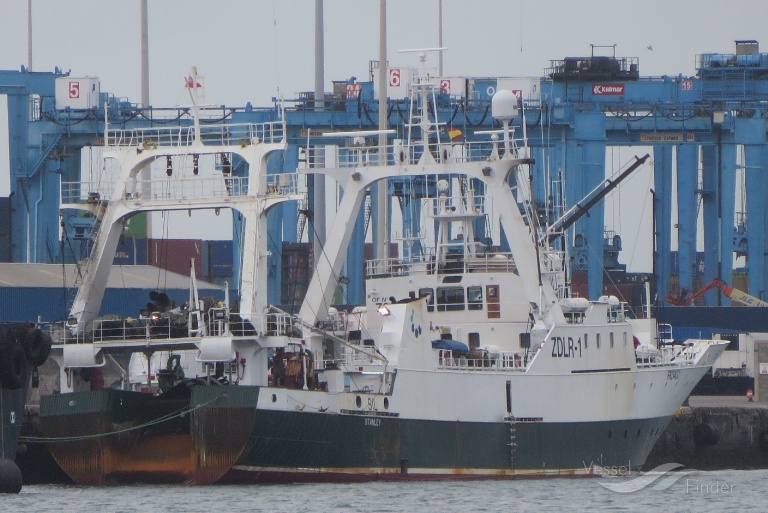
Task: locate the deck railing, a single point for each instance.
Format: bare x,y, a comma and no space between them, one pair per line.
502,361
210,134
483,262
181,188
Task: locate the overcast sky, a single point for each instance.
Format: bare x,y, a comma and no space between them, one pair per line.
247,49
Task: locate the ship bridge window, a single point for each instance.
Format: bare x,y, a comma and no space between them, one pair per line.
474,298
450,299
430,295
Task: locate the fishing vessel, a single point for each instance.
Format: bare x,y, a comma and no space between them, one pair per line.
469,359
23,347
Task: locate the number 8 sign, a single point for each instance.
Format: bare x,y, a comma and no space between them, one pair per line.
394,77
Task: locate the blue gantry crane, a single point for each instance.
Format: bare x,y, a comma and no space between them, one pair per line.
709,125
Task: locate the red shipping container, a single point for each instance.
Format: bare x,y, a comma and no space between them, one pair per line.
174,255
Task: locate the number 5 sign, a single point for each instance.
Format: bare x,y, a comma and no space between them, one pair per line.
74,89
394,77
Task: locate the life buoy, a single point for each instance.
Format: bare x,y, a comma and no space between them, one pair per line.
13,361
37,345
149,144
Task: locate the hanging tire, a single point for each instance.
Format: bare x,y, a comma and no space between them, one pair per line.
13,361
37,346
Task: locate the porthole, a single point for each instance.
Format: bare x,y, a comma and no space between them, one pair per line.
274,398
358,402
386,403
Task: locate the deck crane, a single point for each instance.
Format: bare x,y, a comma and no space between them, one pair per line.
686,298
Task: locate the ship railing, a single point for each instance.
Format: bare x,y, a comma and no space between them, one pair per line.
90,193
352,357
502,361
110,330
282,184
385,267
188,188
270,324
425,264
671,355
361,153
240,134
458,205
491,262
181,188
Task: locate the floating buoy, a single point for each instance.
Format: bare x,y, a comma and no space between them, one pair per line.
10,476
750,394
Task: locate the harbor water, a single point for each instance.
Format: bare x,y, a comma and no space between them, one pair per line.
685,490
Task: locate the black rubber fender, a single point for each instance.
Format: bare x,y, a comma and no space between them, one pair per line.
706,434
37,345
10,476
13,360
762,442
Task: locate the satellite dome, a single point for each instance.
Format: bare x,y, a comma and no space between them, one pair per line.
504,105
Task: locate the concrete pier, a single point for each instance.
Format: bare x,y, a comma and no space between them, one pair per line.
715,432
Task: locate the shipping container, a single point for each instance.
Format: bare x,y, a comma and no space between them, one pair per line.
217,260
77,93
131,252
25,304
296,268
175,254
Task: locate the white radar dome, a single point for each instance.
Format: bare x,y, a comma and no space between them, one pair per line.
504,105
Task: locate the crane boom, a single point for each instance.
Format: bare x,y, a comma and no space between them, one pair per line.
686,299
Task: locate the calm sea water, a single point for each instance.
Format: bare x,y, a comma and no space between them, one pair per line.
701,492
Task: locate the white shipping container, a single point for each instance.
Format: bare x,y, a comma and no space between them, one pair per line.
454,86
77,92
526,87
398,81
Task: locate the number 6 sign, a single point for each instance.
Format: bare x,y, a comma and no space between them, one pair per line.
394,77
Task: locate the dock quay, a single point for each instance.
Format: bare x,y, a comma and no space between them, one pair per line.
714,433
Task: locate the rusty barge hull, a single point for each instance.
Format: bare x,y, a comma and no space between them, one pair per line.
192,434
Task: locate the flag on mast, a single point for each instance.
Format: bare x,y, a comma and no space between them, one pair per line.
454,134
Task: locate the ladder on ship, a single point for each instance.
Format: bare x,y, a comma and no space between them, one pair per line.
512,421
512,441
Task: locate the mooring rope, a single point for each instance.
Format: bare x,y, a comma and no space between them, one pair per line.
160,420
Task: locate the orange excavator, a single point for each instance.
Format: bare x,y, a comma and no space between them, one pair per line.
686,298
